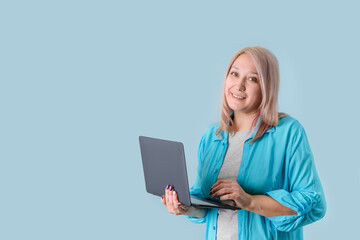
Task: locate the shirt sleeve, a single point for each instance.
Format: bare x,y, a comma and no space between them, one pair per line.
196,188
305,194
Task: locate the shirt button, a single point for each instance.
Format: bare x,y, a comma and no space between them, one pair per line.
215,171
214,227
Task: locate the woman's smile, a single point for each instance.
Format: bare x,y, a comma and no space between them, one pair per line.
238,97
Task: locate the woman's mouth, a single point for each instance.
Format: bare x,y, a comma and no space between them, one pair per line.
238,97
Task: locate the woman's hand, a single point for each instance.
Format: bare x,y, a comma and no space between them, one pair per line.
170,200
229,189
260,204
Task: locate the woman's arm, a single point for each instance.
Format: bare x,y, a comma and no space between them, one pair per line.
304,193
268,207
261,204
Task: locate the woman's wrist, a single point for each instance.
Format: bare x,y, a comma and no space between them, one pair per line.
251,205
254,205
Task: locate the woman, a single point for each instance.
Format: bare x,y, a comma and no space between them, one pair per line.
256,158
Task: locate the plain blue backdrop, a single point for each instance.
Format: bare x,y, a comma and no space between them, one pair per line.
81,80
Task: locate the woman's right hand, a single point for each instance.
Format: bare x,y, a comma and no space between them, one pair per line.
170,200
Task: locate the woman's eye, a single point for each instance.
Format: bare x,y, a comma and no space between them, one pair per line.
253,79
235,74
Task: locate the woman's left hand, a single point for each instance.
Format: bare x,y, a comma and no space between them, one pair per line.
229,189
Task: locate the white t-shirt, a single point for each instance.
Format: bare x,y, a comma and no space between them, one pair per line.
227,222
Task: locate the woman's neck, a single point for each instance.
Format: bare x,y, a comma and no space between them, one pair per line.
243,121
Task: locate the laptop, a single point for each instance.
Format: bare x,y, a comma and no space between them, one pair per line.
164,163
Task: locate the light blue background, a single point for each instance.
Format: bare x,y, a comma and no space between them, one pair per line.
81,80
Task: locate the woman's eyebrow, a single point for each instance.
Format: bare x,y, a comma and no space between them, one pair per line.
249,72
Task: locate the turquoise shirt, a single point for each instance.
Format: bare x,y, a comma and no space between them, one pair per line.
279,164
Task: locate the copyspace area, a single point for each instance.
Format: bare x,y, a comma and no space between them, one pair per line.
81,80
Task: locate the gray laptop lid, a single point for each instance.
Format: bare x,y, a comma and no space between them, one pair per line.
164,163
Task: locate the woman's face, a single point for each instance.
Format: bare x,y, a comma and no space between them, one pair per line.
242,86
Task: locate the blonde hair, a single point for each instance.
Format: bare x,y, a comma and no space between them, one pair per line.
268,70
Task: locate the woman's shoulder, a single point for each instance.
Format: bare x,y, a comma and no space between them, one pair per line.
210,132
211,129
288,123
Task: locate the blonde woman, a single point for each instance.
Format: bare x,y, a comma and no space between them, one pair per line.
255,158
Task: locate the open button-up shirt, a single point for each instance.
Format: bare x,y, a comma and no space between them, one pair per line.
279,164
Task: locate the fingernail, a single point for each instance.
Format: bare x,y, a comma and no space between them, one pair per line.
162,197
179,203
171,188
167,186
174,192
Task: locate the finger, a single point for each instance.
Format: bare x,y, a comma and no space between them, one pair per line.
230,196
223,181
170,199
216,184
221,186
167,186
180,208
177,204
175,200
167,198
222,191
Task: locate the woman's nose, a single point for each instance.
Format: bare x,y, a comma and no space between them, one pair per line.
242,88
241,85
